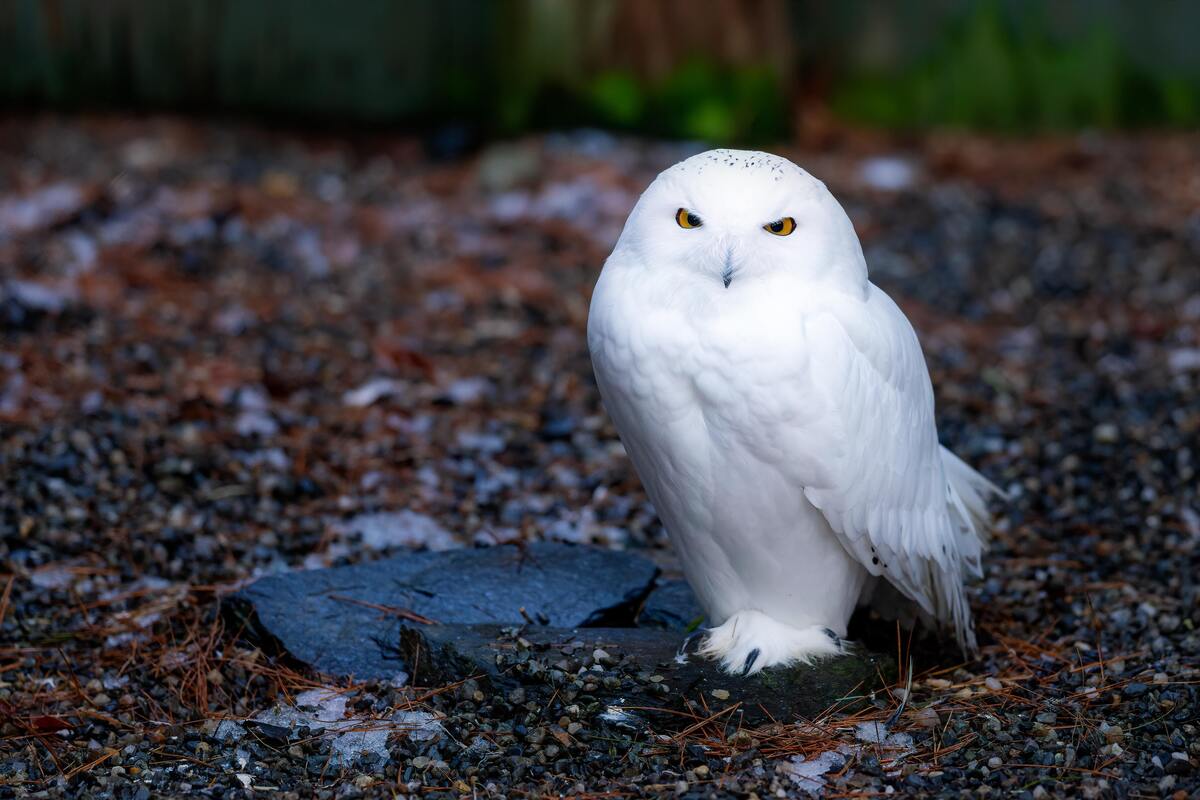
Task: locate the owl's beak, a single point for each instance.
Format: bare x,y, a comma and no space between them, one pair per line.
727,272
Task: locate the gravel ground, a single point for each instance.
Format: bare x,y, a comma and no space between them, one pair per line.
226,352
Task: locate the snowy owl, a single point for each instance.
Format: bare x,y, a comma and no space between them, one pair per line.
777,408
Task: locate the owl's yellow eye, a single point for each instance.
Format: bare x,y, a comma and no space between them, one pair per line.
687,219
781,227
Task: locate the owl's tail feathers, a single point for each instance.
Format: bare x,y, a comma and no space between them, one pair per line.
945,599
968,495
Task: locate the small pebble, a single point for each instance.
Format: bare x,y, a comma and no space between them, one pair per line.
926,718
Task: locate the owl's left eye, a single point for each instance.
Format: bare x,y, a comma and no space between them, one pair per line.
687,219
781,227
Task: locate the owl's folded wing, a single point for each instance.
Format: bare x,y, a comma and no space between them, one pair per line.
903,506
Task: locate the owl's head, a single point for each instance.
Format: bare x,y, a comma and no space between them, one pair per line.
732,216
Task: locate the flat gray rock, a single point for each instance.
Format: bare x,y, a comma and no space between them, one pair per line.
346,621
447,616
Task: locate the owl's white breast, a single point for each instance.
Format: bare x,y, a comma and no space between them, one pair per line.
700,380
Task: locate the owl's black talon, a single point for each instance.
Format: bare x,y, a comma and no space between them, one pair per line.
682,653
750,659
833,636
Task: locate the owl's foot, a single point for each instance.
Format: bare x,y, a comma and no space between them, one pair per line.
750,641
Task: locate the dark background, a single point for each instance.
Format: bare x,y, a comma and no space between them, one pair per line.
724,70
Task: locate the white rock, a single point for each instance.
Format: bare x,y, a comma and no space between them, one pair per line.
39,208
877,733
421,726
466,391
228,730
373,391
1184,360
349,747
52,578
889,173
808,774
37,296
403,528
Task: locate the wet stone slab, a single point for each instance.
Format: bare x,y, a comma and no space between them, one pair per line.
347,620
595,623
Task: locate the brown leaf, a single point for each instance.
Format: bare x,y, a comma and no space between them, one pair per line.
48,724
392,352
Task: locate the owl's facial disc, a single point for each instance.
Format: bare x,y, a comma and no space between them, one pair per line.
729,243
724,218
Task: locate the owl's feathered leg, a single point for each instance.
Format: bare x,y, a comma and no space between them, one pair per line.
750,641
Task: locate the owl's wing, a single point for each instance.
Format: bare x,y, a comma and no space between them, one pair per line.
902,505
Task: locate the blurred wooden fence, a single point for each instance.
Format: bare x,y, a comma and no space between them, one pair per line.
370,59
716,69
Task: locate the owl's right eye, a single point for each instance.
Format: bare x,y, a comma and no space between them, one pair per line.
687,219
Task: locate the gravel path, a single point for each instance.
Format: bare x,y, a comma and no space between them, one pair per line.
226,352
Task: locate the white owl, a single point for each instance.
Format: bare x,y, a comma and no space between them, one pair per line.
777,407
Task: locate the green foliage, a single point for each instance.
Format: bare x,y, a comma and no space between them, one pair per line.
617,99
697,100
1009,74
